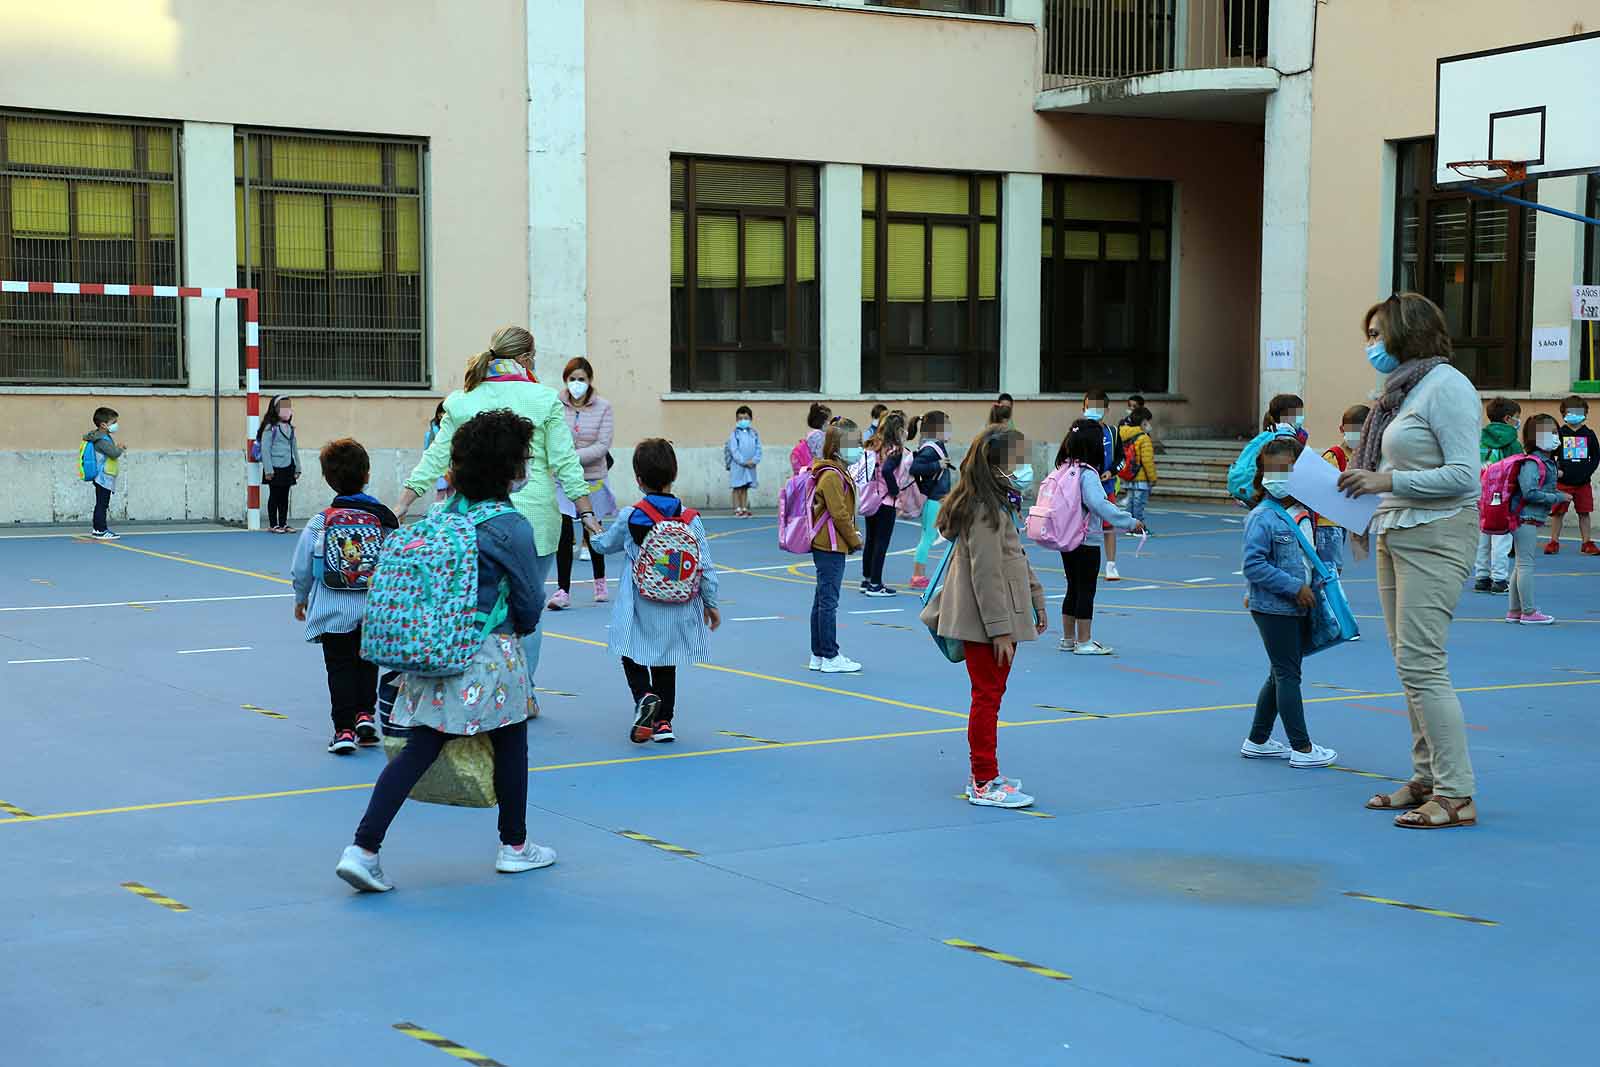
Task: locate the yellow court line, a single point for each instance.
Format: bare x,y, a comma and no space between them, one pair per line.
745,529
191,562
763,574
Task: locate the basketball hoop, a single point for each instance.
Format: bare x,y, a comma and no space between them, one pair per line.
1510,170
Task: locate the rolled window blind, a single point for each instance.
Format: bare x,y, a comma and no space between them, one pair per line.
763,252
869,259
357,235
905,259
988,196
297,160
300,243
405,167
716,251
105,209
1081,244
409,238
678,191
869,189
1122,247
988,261
805,249
78,145
740,184
950,262
677,248
1102,201
929,194
239,236
39,207
1047,240
163,215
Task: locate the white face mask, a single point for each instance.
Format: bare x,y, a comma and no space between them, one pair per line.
1276,483
578,388
1352,437
113,427
1547,442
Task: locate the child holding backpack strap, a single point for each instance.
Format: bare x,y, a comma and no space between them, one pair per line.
930,471
1536,485
667,607
333,565
466,673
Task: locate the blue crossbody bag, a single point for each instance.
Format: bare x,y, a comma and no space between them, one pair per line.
1332,621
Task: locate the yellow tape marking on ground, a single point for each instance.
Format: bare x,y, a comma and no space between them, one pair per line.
749,737
1418,907
444,1044
1367,774
153,897
12,809
1002,957
263,711
190,562
656,842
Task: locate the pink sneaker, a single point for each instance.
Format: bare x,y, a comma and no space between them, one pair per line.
1536,618
1513,616
559,601
601,592
919,581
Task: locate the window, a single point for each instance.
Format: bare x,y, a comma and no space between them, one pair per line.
88,202
1105,282
962,7
930,282
746,309
1589,337
1472,257
334,232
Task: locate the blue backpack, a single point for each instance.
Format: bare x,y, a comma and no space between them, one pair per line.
1242,472
88,462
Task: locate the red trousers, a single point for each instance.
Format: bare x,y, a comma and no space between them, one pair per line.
988,687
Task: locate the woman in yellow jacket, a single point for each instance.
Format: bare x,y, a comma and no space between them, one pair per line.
836,538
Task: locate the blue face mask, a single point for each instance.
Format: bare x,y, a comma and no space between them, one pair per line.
1094,413
1381,360
1299,421
1022,475
1574,418
850,455
743,424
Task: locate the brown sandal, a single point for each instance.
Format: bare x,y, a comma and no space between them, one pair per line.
1414,793
1439,813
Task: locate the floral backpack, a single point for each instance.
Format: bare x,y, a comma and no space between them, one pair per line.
668,568
422,603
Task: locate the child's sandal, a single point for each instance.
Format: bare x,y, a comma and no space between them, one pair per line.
1439,813
1410,795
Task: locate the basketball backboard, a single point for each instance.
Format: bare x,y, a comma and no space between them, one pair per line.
1530,104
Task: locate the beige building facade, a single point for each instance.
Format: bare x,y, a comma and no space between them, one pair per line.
733,201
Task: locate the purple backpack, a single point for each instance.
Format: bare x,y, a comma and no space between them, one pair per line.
795,528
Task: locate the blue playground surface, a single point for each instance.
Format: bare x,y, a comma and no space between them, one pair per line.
169,824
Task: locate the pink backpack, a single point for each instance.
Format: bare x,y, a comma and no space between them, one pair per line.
1500,506
1057,519
795,528
871,489
800,457
911,499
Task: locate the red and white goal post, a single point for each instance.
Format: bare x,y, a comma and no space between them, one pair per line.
249,305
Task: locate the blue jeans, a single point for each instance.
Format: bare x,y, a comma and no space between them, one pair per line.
1330,547
1138,499
825,603
532,643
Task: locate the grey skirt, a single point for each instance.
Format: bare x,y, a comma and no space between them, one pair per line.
494,691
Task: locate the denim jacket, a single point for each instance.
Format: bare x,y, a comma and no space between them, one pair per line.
1274,564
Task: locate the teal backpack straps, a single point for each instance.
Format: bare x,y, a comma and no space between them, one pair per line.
1317,564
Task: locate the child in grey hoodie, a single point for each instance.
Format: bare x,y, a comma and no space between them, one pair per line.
280,461
108,454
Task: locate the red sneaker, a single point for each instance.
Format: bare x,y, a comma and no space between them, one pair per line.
1589,548
663,732
1552,547
367,731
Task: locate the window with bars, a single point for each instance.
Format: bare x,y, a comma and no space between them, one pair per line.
330,230
1105,281
961,7
88,201
1474,258
930,281
1589,336
746,307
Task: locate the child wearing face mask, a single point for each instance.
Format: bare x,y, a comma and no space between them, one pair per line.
1498,439
1280,598
1094,408
280,461
1580,456
930,470
1330,535
1536,482
741,455
102,456
833,515
1286,413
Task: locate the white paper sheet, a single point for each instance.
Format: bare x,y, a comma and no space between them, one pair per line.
1315,483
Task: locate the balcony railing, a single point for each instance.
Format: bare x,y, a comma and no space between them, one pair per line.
1102,40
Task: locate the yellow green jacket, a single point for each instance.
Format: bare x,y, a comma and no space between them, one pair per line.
1146,451
551,453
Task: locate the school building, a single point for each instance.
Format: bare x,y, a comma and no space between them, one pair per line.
724,201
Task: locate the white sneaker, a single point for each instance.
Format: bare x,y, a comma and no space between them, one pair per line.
1112,574
817,662
1067,644
995,795
1010,785
583,554
1317,757
1092,647
840,664
362,871
530,857
1271,748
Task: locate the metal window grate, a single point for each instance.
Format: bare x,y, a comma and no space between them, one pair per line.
88,201
331,231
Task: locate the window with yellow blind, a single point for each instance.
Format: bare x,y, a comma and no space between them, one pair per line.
1105,285
744,294
330,230
88,201
930,281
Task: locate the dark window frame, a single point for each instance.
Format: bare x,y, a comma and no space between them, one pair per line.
255,145
981,365
1056,357
152,325
1589,334
798,361
992,8
1516,284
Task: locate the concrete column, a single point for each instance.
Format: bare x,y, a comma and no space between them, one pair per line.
1286,198
210,255
841,279
558,219
1019,284
1557,267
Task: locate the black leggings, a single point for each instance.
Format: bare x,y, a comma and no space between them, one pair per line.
278,499
662,681
1082,565
569,541
879,530
352,681
422,748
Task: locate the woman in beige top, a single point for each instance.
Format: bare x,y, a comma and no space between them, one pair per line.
1419,448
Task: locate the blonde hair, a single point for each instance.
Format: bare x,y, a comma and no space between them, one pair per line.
508,342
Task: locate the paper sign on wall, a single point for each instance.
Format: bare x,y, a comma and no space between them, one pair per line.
1586,303
1550,344
1280,354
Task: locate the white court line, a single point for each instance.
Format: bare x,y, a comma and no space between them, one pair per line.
1137,588
879,611
198,651
1195,581
1240,573
64,659
1234,522
757,618
131,533
150,603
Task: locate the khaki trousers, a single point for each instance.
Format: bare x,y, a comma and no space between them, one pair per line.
1421,570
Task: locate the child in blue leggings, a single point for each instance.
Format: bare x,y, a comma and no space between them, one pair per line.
930,467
